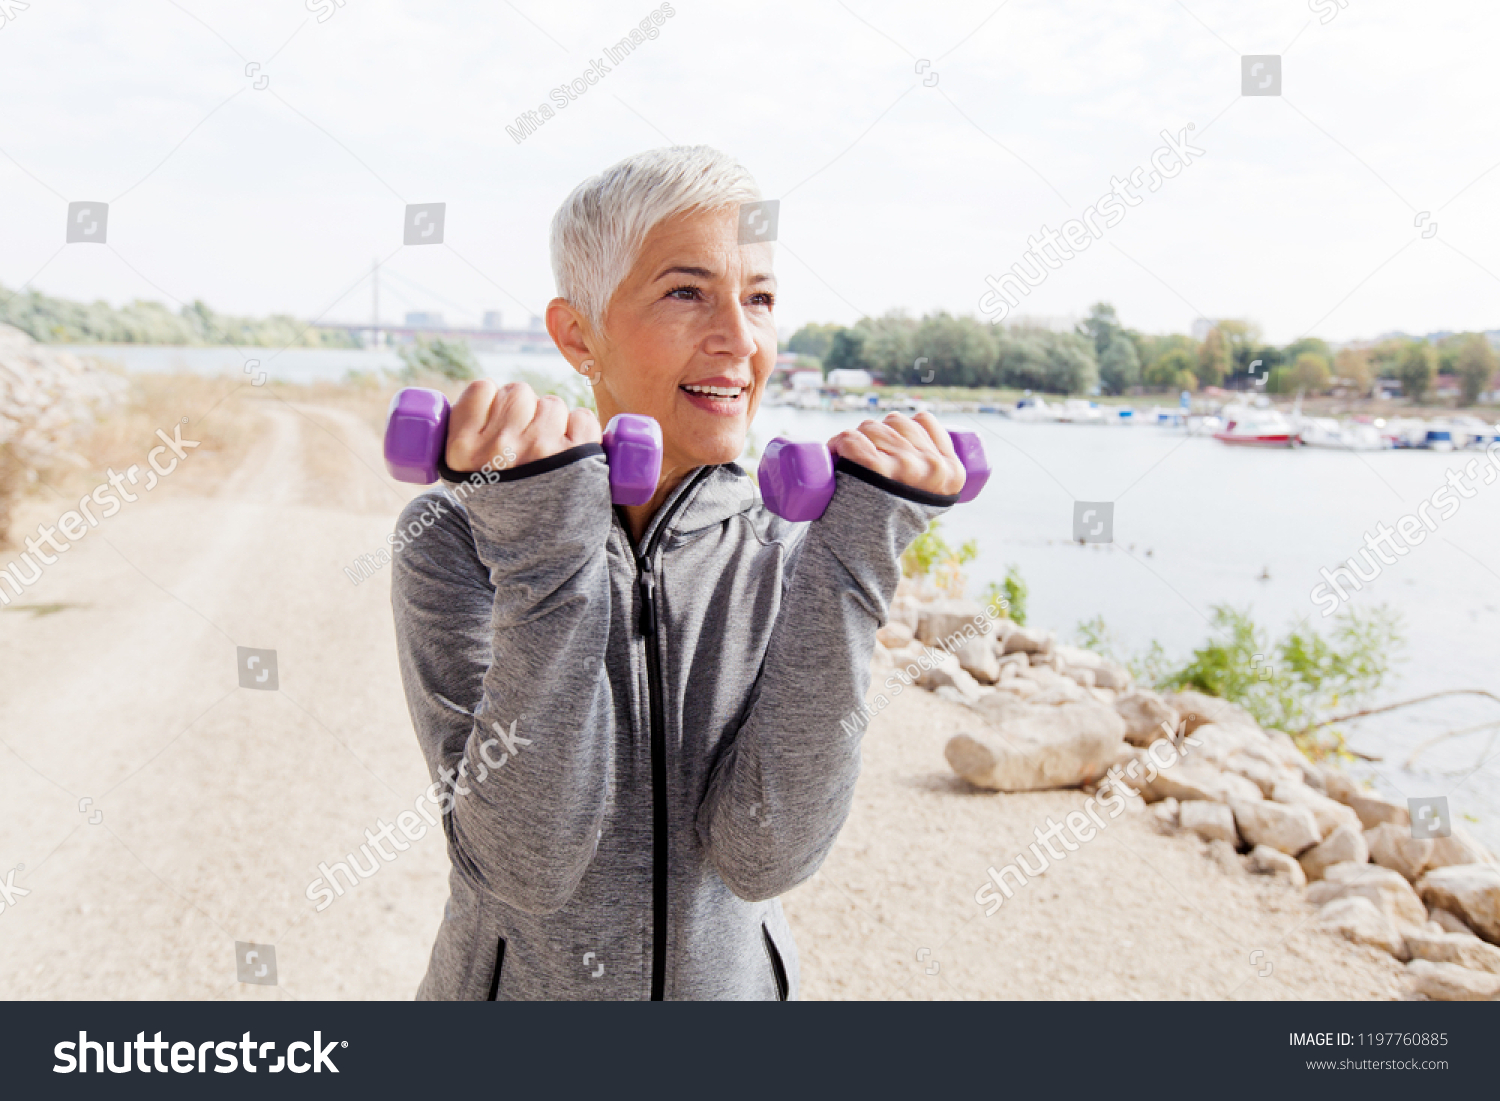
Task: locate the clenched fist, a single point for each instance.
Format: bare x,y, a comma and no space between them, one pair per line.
509,425
915,451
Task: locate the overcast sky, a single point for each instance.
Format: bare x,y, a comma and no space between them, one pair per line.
1305,212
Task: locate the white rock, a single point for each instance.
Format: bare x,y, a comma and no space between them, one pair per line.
946,673
1374,809
1337,784
1287,829
1197,709
1166,812
1460,847
1264,860
1344,845
1387,890
941,619
1448,922
977,658
1013,663
1472,891
1029,641
1037,748
1359,920
1447,982
1263,775
1393,846
1144,714
895,635
1210,821
1464,949
1186,781
906,612
1330,815
1080,676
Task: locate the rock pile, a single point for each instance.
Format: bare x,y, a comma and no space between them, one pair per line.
46,398
1052,716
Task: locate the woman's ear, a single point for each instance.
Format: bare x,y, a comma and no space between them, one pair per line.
570,332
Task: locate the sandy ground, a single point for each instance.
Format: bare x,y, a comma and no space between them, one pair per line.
209,806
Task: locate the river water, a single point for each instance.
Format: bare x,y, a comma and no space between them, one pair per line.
1196,524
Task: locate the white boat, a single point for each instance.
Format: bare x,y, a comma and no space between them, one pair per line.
1468,430
1080,411
1034,411
1247,427
1326,432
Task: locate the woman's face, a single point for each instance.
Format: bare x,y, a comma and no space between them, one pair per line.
688,339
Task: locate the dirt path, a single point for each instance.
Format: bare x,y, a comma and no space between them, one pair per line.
216,803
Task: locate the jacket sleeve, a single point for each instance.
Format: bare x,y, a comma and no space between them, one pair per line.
502,614
781,791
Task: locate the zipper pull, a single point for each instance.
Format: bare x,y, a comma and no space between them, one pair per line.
647,582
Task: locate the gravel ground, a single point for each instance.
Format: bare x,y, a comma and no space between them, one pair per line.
209,806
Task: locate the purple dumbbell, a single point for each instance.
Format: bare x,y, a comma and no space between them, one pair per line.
796,479
416,436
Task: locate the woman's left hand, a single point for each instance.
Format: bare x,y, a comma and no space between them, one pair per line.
915,451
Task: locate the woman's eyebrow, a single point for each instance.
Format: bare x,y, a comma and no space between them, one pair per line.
679,269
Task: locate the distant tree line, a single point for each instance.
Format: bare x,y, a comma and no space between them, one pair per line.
59,321
942,350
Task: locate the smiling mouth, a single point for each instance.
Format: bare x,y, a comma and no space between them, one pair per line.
722,393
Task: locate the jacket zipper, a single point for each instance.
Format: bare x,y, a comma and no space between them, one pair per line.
495,978
647,625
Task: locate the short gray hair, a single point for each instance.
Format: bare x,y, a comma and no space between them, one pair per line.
598,231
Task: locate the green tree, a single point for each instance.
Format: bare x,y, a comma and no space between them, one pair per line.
1243,338
813,339
958,352
1290,353
846,351
1166,372
1476,364
1310,373
1119,367
1415,369
1214,358
1101,326
888,343
1354,365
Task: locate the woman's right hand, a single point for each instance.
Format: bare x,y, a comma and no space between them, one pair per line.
509,425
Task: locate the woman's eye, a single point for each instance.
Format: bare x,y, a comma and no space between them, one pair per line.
686,293
764,298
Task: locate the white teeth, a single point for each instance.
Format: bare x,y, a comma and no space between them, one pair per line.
716,391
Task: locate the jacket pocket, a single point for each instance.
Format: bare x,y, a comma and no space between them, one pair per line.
778,969
499,963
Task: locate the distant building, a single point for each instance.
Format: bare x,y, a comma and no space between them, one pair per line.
424,320
536,324
1201,327
850,376
492,320
805,380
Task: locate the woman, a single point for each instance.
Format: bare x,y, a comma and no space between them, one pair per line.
638,710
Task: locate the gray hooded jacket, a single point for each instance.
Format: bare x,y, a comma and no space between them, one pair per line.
639,747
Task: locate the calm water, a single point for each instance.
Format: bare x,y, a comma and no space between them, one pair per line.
1196,523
